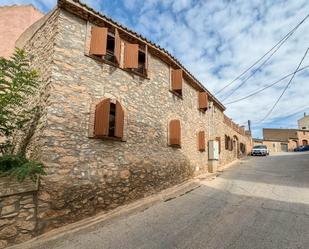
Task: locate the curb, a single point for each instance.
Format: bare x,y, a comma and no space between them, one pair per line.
101,218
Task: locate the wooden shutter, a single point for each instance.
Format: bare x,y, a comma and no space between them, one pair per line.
203,100
146,60
117,51
230,144
119,121
219,143
131,56
101,125
176,80
201,141
98,41
175,132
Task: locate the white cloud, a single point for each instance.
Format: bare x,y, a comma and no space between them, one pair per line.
217,40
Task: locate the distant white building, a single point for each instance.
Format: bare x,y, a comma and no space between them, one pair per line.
303,123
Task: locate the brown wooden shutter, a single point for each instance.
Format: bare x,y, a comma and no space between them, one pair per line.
131,56
101,125
203,100
201,141
230,144
146,60
175,132
176,80
119,121
219,143
117,51
98,41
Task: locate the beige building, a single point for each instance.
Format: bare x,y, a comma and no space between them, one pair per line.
278,140
14,20
303,123
121,118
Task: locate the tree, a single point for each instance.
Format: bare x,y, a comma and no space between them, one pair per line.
18,83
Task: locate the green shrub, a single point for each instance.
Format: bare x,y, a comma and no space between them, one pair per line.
20,167
18,84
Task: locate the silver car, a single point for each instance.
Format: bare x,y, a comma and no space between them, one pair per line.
259,150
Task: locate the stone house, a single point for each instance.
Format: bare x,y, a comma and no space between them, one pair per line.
121,118
303,123
278,140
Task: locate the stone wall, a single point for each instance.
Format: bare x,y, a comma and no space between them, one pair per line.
17,211
40,49
87,175
302,135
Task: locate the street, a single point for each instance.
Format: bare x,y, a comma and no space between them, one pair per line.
262,202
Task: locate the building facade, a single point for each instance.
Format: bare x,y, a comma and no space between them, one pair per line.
278,140
303,123
121,118
14,20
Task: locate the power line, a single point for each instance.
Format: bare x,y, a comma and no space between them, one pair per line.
256,62
289,115
255,70
265,87
286,87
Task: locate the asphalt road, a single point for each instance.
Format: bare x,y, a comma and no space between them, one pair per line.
259,204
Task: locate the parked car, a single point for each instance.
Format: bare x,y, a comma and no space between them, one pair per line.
302,148
259,150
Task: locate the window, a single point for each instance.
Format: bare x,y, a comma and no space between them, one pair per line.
141,62
201,141
218,139
228,143
105,44
203,101
226,140
109,120
242,148
174,133
177,81
110,48
136,58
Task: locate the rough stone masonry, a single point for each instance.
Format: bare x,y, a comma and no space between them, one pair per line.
87,175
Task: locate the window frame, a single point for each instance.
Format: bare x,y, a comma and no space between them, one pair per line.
112,32
92,121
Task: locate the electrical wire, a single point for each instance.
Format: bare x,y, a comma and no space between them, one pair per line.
286,87
261,58
287,116
265,87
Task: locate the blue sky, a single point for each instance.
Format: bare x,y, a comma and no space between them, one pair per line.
218,40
